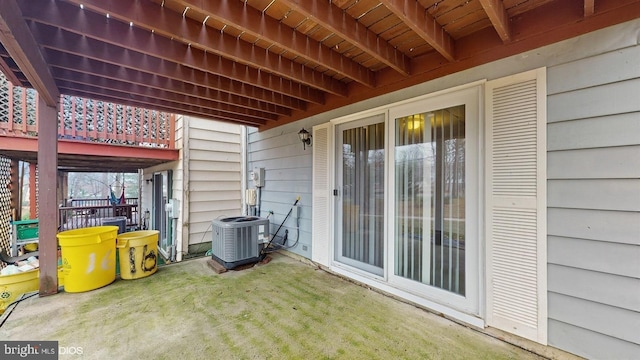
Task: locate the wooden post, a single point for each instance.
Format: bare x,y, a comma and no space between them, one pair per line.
48,207
62,188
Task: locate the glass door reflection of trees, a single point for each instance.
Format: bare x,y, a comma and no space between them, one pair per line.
430,198
363,196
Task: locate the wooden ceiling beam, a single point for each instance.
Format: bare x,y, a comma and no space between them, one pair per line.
124,98
93,38
8,72
240,16
197,93
148,101
337,21
192,40
67,77
168,77
422,23
23,49
589,7
499,18
86,49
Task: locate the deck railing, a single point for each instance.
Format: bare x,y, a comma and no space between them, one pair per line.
85,120
96,202
75,217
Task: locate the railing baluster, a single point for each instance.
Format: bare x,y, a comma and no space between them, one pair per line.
73,117
60,117
33,128
157,129
85,121
94,132
114,125
23,128
150,120
172,131
10,122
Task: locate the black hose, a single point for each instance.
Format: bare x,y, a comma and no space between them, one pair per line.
22,297
263,252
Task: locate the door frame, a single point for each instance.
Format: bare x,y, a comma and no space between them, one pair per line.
160,218
337,199
474,183
473,318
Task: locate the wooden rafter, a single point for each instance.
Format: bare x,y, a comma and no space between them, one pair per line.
419,20
147,102
8,72
498,16
130,89
176,78
242,17
338,22
87,37
232,52
589,7
171,60
23,48
161,105
213,98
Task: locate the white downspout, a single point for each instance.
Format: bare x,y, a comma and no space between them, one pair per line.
183,217
243,168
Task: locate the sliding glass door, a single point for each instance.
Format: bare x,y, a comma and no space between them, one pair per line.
360,196
429,192
433,243
407,197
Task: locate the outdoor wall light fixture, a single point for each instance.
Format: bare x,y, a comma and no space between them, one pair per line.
305,137
149,180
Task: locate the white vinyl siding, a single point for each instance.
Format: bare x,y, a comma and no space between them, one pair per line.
287,176
594,203
212,160
515,207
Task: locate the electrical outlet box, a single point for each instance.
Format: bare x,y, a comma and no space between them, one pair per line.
257,175
296,211
173,208
251,197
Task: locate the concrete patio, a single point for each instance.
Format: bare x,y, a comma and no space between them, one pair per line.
285,309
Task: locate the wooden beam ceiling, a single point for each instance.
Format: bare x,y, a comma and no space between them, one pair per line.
499,17
141,101
94,34
174,77
423,24
270,62
239,107
23,48
333,18
150,16
256,23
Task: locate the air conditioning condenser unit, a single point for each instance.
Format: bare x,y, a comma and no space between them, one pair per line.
238,240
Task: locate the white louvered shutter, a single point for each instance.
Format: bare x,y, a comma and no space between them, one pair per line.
320,227
516,204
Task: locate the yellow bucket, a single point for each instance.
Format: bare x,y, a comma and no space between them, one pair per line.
138,253
88,257
12,286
